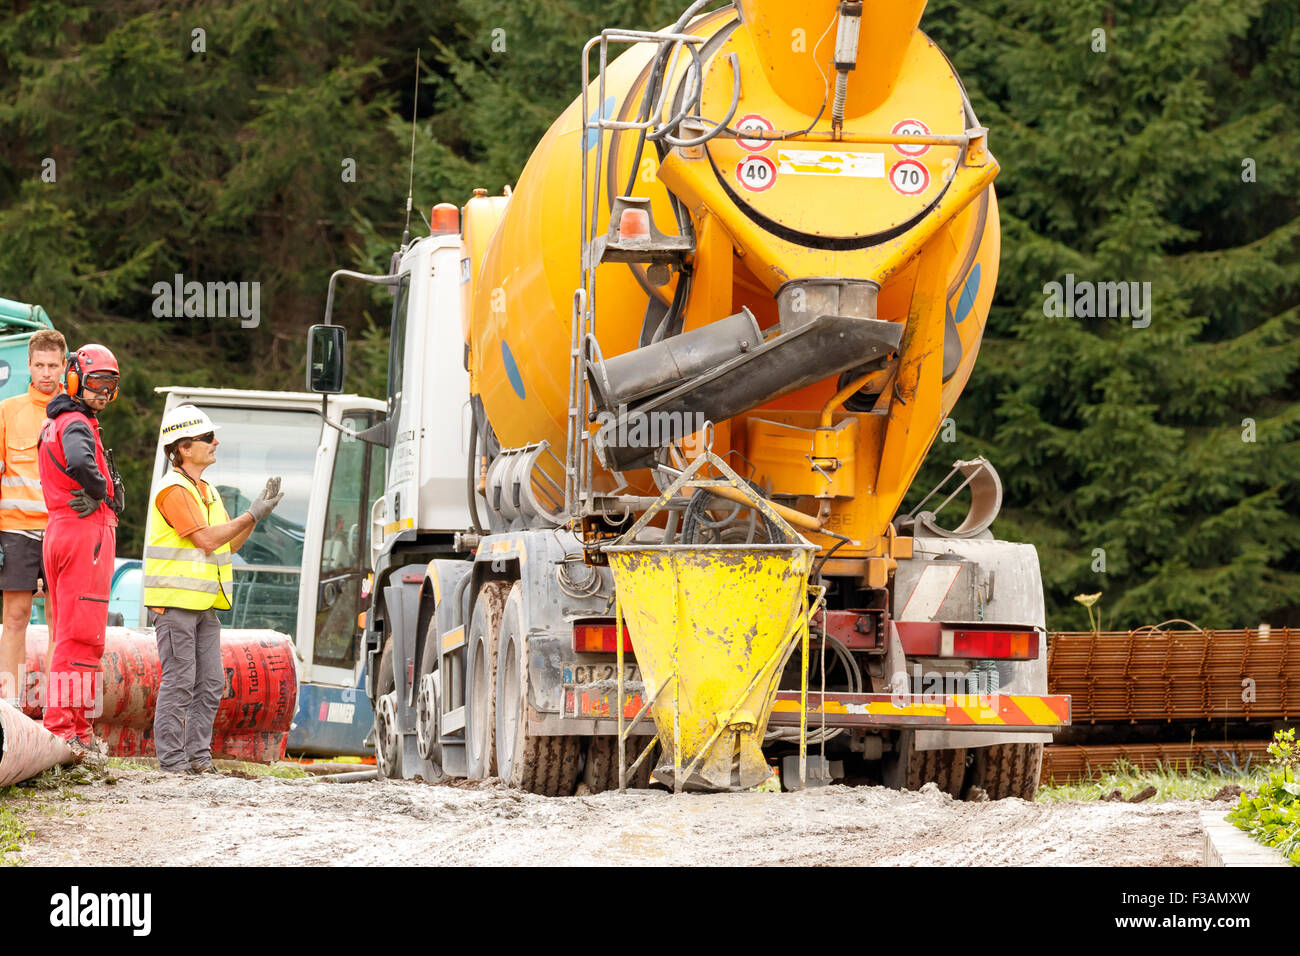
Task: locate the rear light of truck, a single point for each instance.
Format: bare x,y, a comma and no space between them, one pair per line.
992,645
928,639
597,637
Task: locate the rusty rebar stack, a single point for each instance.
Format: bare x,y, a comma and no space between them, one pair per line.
1126,683
1154,675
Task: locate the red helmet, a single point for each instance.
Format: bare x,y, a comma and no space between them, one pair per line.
87,361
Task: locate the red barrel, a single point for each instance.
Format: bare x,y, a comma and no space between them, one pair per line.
257,705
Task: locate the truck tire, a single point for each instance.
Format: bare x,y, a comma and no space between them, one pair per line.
428,707
388,747
481,680
1009,770
910,769
542,765
601,770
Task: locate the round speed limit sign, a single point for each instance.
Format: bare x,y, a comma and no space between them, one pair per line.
911,127
754,123
756,173
909,177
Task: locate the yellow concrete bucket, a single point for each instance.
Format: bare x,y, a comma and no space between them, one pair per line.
712,626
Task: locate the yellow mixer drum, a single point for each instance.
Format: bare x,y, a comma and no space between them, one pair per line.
712,626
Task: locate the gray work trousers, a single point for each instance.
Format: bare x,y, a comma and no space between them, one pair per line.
189,646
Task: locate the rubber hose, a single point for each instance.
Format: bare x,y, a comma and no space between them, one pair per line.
470,478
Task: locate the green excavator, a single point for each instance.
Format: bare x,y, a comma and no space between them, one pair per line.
18,323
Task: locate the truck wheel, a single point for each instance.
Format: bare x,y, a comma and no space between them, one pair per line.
481,680
388,743
1009,770
601,770
428,707
543,765
910,769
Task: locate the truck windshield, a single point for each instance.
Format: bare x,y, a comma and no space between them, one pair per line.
255,445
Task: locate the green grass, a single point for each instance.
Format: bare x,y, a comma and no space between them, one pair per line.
12,830
264,770
131,763
233,767
1172,782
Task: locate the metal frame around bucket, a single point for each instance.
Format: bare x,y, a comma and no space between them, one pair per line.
796,541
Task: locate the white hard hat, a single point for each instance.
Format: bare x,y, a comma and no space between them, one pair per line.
185,421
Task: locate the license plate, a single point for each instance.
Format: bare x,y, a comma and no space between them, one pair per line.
574,674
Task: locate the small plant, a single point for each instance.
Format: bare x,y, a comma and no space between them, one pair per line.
1273,816
12,830
1088,600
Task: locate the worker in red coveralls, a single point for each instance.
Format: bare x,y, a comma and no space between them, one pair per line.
84,498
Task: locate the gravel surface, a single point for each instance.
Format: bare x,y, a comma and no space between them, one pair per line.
149,818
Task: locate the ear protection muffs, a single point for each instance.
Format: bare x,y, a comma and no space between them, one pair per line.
74,375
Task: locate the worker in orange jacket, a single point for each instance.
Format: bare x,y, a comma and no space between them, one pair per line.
22,506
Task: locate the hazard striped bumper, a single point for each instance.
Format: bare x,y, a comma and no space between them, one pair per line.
964,711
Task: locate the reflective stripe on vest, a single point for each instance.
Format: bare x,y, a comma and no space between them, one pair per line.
185,554
25,504
176,582
178,574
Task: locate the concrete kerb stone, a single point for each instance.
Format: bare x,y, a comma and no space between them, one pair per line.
1225,845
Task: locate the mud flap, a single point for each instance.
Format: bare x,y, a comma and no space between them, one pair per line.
401,606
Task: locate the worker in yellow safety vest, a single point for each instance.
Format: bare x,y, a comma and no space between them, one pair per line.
22,506
188,577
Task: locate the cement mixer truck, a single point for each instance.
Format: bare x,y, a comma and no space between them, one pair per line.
652,415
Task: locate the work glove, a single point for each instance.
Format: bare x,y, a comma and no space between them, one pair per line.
83,504
265,503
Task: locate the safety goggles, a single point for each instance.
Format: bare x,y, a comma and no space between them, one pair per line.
101,382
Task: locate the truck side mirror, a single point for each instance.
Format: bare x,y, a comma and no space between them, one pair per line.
326,348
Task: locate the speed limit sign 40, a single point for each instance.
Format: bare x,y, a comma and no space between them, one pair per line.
909,178
756,173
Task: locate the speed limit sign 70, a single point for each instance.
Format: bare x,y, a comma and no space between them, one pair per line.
756,173
909,178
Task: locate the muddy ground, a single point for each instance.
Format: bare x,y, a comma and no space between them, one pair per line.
148,818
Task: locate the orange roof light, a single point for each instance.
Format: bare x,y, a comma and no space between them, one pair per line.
445,219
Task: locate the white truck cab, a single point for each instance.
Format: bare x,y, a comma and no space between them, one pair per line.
428,399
